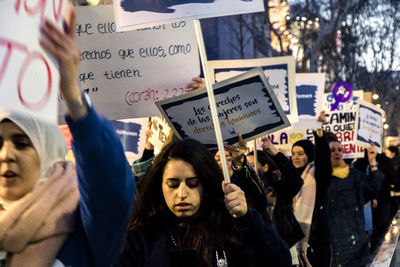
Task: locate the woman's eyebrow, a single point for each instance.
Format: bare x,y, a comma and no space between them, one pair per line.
19,135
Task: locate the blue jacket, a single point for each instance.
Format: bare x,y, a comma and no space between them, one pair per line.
107,187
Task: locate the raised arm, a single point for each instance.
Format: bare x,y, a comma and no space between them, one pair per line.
105,179
291,181
323,166
375,177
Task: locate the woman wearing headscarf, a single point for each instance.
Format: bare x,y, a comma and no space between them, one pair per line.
53,213
304,201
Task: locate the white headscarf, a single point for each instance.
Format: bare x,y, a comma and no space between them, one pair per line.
46,138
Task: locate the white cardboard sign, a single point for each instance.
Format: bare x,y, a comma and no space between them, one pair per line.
369,125
29,79
126,72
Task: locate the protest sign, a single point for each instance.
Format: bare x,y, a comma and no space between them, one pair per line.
124,73
369,125
342,123
284,139
131,13
246,104
280,73
342,93
130,131
29,78
160,131
310,96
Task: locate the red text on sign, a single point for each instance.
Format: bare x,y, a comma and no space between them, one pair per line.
39,8
31,56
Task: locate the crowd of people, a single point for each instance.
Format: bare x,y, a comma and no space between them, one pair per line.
174,208
313,199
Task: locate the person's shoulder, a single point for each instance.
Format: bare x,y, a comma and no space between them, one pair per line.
356,173
355,170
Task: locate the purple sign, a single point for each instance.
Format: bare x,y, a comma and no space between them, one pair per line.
342,93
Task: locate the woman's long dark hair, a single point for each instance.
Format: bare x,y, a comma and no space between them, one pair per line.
202,230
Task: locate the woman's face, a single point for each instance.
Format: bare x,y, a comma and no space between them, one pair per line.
336,153
262,169
228,156
19,162
182,189
299,157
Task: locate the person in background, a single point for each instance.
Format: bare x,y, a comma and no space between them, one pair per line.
338,221
53,213
243,175
381,203
264,164
392,152
304,202
187,215
140,166
280,174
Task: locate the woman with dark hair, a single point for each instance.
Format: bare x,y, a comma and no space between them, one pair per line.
280,174
184,218
393,152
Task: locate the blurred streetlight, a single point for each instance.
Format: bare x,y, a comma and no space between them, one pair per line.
375,96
